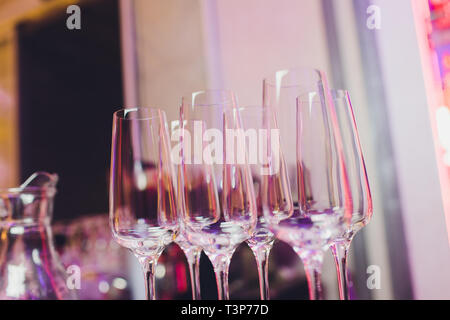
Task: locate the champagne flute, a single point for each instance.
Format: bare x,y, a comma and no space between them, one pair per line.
270,182
192,252
143,203
303,111
361,200
220,206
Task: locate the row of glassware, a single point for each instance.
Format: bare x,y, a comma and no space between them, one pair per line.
291,169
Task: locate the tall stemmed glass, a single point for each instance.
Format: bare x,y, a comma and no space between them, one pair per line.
192,252
143,204
220,206
270,182
360,200
304,113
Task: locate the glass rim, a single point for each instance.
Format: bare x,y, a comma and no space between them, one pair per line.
253,108
153,113
186,99
271,79
337,94
17,191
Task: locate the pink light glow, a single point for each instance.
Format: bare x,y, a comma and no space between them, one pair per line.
180,272
435,98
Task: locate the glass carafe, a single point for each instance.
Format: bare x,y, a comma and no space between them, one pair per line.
29,265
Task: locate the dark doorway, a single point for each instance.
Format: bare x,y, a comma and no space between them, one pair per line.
70,83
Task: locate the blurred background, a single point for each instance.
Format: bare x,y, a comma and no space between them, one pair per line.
60,86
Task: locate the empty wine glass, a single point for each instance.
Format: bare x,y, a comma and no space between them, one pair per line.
143,204
220,206
270,182
192,252
360,200
304,114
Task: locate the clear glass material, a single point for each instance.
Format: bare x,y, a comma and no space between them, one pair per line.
270,181
143,199
193,254
220,207
30,268
360,201
304,113
191,251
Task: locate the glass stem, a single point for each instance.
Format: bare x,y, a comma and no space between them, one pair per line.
340,253
194,271
262,260
148,266
312,261
221,270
